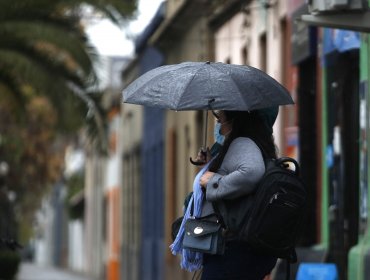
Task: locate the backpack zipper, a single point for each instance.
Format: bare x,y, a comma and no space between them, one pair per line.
287,203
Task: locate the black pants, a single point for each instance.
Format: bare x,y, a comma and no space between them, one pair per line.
238,263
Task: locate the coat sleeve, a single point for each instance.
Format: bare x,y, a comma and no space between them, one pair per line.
243,167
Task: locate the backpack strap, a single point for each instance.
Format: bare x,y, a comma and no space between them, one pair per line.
292,259
287,276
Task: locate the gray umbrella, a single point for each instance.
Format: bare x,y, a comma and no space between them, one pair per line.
196,85
208,85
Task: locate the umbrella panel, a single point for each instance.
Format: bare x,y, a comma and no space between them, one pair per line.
191,85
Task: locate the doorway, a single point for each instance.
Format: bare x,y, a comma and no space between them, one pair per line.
342,85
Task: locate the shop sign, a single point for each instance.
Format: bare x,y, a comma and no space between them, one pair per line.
340,40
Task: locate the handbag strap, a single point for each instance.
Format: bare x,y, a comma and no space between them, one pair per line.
218,214
192,206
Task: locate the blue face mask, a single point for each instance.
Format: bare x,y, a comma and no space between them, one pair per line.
220,139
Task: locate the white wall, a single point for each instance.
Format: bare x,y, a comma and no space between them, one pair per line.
246,30
75,245
93,238
44,238
230,39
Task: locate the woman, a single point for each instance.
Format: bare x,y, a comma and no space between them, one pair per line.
235,172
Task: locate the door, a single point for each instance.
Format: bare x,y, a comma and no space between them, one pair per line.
342,154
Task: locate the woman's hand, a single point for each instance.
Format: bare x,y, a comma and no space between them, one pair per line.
204,155
205,178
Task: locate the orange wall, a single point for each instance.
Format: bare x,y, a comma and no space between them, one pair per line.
113,234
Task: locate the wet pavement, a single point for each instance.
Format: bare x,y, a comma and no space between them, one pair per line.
31,271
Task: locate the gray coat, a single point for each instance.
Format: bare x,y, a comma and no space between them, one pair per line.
238,175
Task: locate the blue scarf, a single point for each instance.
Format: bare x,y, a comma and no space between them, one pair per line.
190,261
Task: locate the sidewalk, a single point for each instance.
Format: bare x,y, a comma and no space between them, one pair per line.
31,271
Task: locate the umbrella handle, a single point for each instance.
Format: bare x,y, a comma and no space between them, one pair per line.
202,162
204,150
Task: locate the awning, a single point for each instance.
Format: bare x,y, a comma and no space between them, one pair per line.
348,21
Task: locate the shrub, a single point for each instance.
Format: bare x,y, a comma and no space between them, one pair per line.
9,264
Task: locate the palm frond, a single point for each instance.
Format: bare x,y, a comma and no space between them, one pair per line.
52,82
44,48
116,10
96,118
25,37
12,95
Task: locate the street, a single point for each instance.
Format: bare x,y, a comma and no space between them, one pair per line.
31,271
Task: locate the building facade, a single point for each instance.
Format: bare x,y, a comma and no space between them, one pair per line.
326,72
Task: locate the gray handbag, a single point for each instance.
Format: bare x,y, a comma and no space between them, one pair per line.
204,235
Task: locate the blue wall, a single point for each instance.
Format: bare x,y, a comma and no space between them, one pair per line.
152,249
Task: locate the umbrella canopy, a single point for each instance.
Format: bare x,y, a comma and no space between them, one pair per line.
197,85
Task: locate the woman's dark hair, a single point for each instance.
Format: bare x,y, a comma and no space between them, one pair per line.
246,124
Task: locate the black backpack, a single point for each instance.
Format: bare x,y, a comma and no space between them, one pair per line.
278,210
270,219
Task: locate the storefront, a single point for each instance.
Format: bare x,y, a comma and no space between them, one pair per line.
340,64
344,110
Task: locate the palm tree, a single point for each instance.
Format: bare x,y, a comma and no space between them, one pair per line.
44,51
44,54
